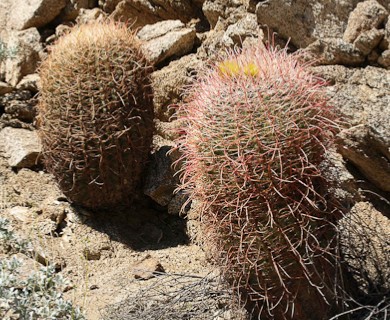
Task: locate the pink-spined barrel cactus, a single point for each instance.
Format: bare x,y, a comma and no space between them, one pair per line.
255,130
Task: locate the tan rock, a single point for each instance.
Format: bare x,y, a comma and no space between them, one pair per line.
305,21
30,82
5,88
126,12
387,29
108,5
236,33
88,15
368,40
166,39
384,59
334,51
160,179
385,43
222,9
147,268
235,30
367,15
373,56
21,146
363,147
72,9
213,46
26,53
343,186
361,95
33,13
4,11
365,243
141,13
22,214
169,82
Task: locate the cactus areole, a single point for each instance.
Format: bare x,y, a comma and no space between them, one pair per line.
255,129
95,114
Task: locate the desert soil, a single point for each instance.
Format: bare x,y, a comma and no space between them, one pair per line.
98,252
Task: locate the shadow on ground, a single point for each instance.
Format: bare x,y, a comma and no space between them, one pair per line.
141,226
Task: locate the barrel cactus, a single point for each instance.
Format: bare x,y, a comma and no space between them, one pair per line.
255,130
95,114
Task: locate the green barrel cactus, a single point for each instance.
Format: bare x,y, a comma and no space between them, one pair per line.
95,114
255,130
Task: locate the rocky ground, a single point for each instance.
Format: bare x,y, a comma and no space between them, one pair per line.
106,255
109,256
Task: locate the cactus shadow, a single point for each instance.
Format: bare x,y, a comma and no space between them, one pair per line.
141,226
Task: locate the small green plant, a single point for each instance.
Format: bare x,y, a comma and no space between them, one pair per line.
37,297
9,241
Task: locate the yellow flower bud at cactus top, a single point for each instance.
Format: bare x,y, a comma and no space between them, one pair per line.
232,68
229,68
251,69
